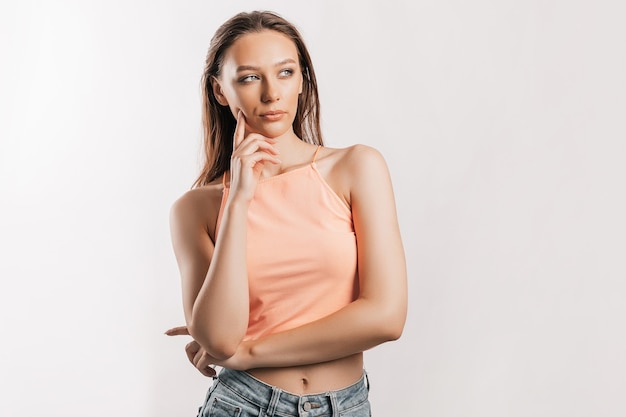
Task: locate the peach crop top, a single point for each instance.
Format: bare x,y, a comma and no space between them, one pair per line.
301,246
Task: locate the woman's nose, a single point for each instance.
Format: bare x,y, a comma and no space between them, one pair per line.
270,92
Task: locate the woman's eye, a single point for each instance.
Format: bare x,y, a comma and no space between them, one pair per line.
286,72
248,78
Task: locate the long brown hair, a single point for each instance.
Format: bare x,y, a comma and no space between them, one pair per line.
218,121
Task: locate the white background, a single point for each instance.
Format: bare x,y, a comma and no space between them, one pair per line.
503,123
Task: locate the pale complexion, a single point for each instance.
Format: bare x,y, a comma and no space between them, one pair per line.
260,82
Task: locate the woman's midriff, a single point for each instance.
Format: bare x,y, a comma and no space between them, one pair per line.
316,378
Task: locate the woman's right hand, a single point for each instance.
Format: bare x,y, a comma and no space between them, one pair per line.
250,154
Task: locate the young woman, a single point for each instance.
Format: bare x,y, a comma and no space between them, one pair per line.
290,254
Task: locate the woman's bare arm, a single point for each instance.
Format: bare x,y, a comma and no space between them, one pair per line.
214,277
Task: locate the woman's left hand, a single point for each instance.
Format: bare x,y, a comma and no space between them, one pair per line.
204,362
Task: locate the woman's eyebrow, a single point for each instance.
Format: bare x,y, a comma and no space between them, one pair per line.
253,68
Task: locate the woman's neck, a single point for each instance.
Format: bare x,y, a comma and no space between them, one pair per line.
292,152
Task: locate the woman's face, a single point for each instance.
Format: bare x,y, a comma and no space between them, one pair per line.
261,76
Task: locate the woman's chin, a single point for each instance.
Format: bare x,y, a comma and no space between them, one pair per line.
271,131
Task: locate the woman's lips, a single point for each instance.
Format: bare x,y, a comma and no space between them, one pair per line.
273,116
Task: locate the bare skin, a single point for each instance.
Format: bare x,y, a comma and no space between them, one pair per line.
260,76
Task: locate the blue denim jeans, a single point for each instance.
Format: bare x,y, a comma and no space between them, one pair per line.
238,394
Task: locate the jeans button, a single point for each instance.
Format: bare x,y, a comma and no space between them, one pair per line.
306,406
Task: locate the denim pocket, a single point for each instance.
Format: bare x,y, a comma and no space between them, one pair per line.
206,399
360,410
218,407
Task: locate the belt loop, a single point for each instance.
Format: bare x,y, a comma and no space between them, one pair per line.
333,403
271,407
367,380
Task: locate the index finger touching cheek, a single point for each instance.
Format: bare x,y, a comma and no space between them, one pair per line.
240,130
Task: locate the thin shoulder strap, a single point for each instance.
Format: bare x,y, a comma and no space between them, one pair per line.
316,151
224,180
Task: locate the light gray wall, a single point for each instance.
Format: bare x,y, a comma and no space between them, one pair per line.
503,126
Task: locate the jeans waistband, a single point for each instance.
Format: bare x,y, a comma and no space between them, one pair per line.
275,400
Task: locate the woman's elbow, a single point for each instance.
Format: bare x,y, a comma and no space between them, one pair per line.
392,325
395,332
221,351
220,348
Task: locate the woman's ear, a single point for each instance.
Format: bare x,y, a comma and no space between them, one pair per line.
217,92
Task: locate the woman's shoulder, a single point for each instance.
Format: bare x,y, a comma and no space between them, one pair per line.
353,159
200,204
200,195
350,171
